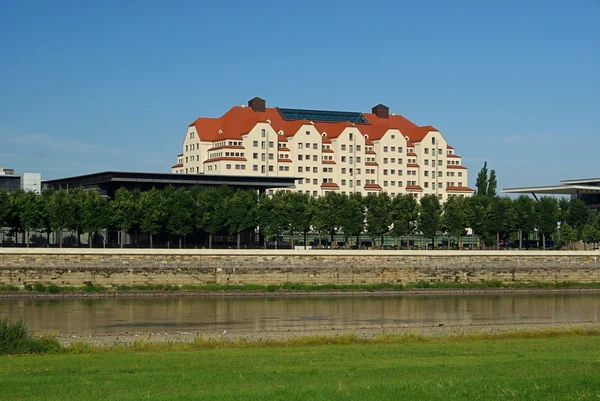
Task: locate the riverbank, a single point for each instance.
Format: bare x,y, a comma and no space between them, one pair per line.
527,367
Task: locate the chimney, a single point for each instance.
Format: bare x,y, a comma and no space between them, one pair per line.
381,111
257,104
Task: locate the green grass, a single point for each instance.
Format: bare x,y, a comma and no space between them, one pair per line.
510,367
301,287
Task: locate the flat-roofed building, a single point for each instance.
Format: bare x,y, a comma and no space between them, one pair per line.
586,189
346,152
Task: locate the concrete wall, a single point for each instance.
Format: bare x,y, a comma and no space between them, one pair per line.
128,266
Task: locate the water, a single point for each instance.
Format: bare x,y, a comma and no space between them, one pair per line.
119,315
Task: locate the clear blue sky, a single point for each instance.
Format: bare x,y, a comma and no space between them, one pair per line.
112,85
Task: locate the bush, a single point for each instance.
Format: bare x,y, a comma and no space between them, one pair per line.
15,339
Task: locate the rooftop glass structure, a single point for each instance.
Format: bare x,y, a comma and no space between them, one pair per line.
322,115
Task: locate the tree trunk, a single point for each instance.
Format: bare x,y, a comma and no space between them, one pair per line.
121,232
179,237
331,233
497,241
90,236
305,240
357,241
151,242
264,242
238,240
544,241
27,238
472,239
48,238
60,237
291,240
209,240
520,239
382,245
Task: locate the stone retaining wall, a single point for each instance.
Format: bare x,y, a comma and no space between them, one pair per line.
139,267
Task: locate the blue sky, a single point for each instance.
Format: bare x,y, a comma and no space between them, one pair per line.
112,85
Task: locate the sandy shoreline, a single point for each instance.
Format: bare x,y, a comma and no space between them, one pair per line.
130,337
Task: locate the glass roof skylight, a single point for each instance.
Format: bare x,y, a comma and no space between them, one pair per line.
322,115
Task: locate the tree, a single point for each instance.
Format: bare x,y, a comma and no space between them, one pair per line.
430,217
211,210
482,181
241,212
153,213
547,216
295,206
180,213
477,217
525,216
500,218
352,216
327,213
126,210
578,215
492,185
4,207
58,212
13,215
378,215
268,221
456,217
404,215
30,212
76,209
567,234
95,215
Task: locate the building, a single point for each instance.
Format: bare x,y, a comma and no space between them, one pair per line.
587,189
346,152
108,182
9,181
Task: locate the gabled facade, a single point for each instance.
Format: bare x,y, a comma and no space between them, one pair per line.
325,151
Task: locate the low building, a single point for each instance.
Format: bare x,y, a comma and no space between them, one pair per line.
9,181
587,189
346,152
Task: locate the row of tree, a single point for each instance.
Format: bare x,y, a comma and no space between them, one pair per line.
205,212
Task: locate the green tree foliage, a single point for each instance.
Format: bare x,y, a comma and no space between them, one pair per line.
242,212
4,208
58,212
352,216
268,221
567,234
378,215
30,208
294,209
404,215
95,214
211,210
547,217
456,217
327,215
477,216
578,215
492,185
153,212
525,216
76,201
126,210
482,181
180,213
501,218
430,217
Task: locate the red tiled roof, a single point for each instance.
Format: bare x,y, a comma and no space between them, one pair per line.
368,142
370,152
177,165
226,147
329,162
328,151
283,149
449,147
459,189
179,155
284,160
417,134
330,185
456,166
235,159
412,165
452,155
325,140
411,154
414,188
372,186
371,164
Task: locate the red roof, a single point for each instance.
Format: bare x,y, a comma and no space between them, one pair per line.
283,149
330,185
179,155
370,152
456,166
372,186
417,134
459,189
449,147
177,165
329,162
414,188
412,165
371,164
411,154
235,159
284,160
328,151
452,155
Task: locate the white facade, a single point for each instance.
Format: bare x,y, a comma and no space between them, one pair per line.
385,153
31,182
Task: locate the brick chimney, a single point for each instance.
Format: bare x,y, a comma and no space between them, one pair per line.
381,111
257,104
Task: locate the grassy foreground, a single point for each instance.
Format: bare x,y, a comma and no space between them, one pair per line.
301,287
561,367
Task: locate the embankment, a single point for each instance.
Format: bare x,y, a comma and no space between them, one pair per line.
122,267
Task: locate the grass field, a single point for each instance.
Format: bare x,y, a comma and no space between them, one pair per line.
548,368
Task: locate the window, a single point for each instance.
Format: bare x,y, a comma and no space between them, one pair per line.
399,149
191,135
344,183
262,145
385,160
393,160
228,166
271,156
358,148
262,133
186,148
385,148
385,172
307,132
307,180
315,158
426,162
432,151
299,158
306,157
271,144
385,183
433,163
299,169
358,159
343,159
399,183
255,155
460,174
350,159
262,169
351,136
357,171
426,185
343,170
433,140
255,144
315,146
426,173
343,148
315,193
439,173
315,181
358,183
307,145
315,170
270,168
426,151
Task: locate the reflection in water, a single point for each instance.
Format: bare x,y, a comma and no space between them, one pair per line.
110,315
